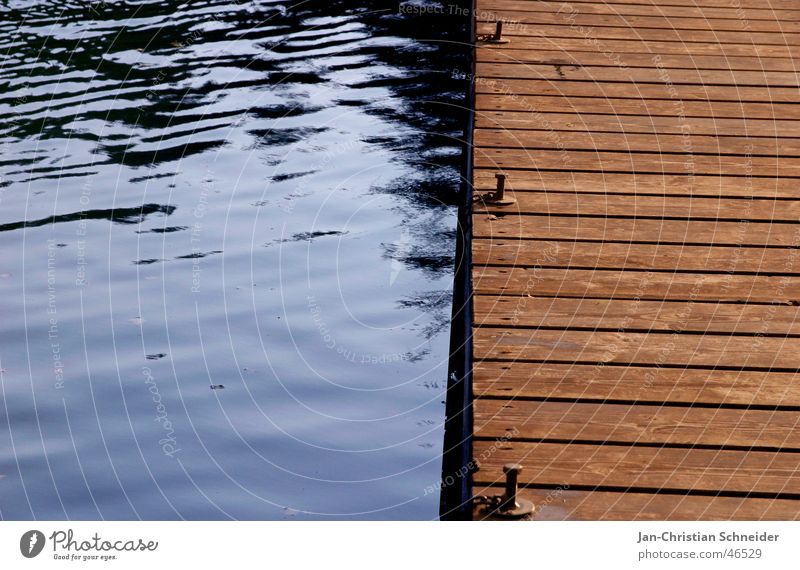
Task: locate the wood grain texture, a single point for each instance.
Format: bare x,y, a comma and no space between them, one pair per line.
636,323
632,284
651,384
659,184
707,96
627,315
560,504
621,32
684,25
605,255
538,139
637,424
584,117
658,76
599,204
777,5
571,54
618,47
641,349
631,468
491,223
763,10
634,163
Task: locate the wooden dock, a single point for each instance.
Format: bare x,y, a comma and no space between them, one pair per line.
636,325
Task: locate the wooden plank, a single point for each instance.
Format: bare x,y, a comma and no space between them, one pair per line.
711,208
680,25
756,352
498,103
707,97
629,230
625,423
740,11
582,255
578,120
629,284
638,75
531,139
637,309
648,163
639,58
639,185
643,33
641,467
618,314
618,48
636,384
659,184
763,4
559,504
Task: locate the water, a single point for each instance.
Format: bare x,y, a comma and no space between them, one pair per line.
226,248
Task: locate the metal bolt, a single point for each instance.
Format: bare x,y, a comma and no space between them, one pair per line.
501,186
497,37
498,197
511,507
512,470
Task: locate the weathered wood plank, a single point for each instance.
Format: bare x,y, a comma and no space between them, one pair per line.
616,314
581,255
707,95
681,26
645,33
639,58
541,138
629,230
741,11
659,184
559,504
641,467
625,423
630,115
614,50
636,384
584,118
652,257
756,352
748,4
711,208
631,284
659,76
646,163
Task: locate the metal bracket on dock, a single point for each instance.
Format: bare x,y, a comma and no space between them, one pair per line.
508,505
498,197
496,38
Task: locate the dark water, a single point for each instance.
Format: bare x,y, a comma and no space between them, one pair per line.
226,248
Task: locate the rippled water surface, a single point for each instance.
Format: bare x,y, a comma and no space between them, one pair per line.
226,248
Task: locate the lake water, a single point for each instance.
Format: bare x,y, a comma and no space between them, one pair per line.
226,250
